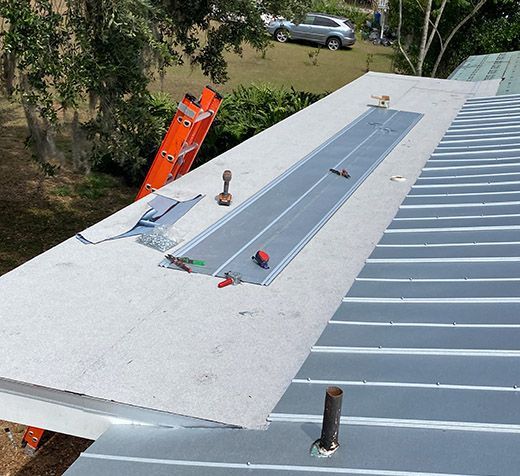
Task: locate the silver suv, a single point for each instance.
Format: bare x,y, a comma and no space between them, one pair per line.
329,30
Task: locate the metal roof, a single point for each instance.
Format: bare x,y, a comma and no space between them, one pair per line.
425,344
504,66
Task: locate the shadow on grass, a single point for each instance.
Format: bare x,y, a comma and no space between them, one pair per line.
38,212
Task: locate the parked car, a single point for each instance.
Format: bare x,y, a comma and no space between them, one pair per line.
329,30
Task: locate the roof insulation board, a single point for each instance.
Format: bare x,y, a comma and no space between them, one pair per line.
285,215
429,366
116,327
503,66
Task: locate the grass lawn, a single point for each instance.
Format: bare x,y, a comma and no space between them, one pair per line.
38,212
285,65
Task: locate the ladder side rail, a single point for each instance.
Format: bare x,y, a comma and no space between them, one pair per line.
157,161
166,157
192,142
32,438
199,135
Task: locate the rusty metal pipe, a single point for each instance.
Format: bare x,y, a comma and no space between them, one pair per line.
331,419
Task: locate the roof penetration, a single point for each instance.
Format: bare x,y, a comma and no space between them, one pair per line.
425,345
504,66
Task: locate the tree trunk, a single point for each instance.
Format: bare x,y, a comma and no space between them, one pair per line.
41,133
435,27
424,38
401,49
8,70
80,145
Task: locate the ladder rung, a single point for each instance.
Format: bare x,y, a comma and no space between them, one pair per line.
188,149
203,116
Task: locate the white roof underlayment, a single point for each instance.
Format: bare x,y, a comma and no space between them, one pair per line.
106,322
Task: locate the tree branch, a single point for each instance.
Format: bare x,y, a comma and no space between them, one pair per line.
435,27
470,15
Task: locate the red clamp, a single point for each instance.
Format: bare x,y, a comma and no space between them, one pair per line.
231,278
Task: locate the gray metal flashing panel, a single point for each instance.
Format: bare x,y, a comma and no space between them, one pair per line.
284,216
36,405
284,450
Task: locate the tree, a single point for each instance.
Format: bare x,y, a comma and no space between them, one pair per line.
31,39
440,20
495,29
56,54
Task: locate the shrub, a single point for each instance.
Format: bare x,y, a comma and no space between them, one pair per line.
250,110
130,150
340,8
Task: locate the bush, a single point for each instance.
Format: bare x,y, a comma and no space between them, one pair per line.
340,8
250,110
131,148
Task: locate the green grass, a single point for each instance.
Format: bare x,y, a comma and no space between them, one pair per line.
38,212
96,185
285,65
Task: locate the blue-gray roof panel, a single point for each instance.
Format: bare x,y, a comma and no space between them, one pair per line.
455,271
404,405
483,371
473,313
366,450
392,336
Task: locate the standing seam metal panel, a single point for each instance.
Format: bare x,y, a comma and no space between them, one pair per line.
440,293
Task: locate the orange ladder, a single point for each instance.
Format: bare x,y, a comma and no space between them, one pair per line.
181,143
31,438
